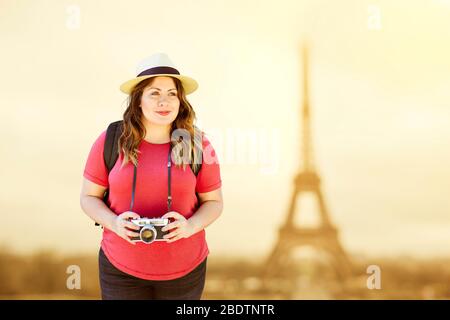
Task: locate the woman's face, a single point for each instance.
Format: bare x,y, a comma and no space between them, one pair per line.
159,101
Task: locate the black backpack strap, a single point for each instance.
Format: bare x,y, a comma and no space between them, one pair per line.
196,164
110,153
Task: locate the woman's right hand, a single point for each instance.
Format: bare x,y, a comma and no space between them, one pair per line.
122,226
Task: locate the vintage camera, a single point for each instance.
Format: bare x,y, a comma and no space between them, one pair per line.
150,229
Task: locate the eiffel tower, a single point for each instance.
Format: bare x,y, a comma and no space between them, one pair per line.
323,237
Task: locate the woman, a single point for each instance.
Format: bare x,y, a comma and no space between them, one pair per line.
146,182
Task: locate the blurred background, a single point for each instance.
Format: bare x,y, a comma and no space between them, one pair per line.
331,121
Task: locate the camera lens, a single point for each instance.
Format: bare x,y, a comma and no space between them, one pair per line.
148,234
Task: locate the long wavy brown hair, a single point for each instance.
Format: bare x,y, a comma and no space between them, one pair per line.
186,143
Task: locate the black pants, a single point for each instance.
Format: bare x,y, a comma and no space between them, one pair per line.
117,285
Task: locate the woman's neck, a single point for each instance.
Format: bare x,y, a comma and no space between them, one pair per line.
157,134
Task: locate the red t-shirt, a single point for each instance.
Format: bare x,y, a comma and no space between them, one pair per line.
158,260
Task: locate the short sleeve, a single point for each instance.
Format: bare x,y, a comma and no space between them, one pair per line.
208,178
95,168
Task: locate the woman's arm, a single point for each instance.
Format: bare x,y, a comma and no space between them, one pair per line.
91,201
211,207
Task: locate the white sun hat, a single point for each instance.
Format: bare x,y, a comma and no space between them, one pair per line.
158,64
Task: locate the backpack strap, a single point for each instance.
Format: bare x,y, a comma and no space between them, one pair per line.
110,152
196,164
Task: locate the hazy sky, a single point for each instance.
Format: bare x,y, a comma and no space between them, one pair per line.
380,98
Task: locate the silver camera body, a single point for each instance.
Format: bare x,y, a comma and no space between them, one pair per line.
150,229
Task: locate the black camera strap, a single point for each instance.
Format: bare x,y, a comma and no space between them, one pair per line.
169,178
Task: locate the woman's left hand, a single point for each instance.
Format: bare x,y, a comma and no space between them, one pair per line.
180,228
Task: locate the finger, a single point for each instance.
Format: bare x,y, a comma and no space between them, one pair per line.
131,225
171,235
174,239
131,234
172,214
171,226
130,214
